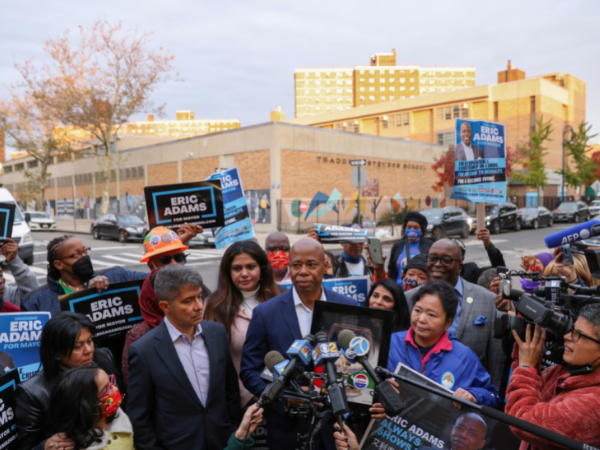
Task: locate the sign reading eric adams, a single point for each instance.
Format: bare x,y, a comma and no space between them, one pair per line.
172,205
8,420
480,162
113,312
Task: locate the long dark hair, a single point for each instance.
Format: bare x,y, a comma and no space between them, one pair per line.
402,316
53,248
74,407
223,305
58,340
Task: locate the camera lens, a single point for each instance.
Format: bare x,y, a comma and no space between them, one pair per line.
559,324
505,324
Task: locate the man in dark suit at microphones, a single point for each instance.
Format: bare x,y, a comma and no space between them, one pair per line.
275,325
183,386
465,151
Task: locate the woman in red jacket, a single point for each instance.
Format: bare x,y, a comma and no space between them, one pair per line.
564,398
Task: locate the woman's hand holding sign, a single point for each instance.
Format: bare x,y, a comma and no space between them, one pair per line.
100,282
10,249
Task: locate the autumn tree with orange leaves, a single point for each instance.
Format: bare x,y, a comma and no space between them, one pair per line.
97,83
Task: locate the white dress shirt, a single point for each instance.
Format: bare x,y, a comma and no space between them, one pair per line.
194,358
303,313
469,152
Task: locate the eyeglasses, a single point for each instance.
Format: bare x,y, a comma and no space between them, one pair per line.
445,260
576,334
178,257
86,251
282,248
112,382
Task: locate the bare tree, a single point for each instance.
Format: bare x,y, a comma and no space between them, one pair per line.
29,126
98,83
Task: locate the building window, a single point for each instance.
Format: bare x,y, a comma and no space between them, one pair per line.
382,80
495,111
362,98
456,111
382,89
445,139
362,89
372,72
371,80
402,80
32,164
402,88
464,113
392,80
384,122
372,97
8,169
19,167
362,80
392,88
362,72
448,114
383,97
406,119
392,97
532,115
371,89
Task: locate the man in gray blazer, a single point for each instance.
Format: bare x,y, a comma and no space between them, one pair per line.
476,312
464,150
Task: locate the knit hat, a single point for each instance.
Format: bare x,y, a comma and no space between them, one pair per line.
545,258
414,216
417,262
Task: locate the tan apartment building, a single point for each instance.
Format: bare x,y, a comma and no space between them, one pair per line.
321,90
516,101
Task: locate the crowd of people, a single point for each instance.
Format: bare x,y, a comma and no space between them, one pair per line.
189,375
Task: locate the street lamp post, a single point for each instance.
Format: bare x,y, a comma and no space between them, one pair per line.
565,129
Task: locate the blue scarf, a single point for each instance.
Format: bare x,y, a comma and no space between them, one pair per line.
350,259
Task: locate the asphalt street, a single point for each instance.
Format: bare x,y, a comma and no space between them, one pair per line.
107,253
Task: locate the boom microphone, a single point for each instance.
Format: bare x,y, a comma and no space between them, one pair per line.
273,391
326,353
573,234
357,348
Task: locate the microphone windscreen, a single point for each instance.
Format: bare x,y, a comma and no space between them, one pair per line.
272,359
570,235
311,339
344,338
321,336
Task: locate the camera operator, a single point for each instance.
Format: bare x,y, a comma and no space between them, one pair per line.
563,398
576,273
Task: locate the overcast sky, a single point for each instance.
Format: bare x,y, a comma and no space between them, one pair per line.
237,58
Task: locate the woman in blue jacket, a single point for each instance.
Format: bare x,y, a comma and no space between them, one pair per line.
426,348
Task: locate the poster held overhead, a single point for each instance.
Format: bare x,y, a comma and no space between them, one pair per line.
335,234
173,205
7,217
480,162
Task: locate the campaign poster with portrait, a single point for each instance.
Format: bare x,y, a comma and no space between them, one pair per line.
238,225
114,311
480,162
8,420
356,288
20,340
173,205
375,325
432,422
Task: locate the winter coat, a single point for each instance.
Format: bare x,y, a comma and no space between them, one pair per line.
553,399
25,282
398,248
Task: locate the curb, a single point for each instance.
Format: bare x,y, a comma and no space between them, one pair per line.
60,230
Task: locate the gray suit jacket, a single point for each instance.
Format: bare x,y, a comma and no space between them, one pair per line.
479,338
460,154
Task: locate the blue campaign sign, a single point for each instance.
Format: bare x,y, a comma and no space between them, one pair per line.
356,288
480,162
238,225
20,337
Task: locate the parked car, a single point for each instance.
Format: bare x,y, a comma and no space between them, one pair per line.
594,208
203,239
447,221
21,233
124,227
500,217
571,212
535,217
39,220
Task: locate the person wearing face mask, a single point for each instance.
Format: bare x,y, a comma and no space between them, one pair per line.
278,247
86,408
413,243
415,273
245,281
563,398
66,343
387,295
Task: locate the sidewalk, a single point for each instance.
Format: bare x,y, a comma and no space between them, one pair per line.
82,226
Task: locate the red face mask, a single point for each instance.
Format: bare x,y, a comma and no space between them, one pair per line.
279,259
111,401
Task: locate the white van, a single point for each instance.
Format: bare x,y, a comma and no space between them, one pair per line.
21,232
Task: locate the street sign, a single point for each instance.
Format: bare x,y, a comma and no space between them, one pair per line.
358,162
359,180
596,186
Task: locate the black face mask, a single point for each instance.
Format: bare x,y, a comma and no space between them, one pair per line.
83,269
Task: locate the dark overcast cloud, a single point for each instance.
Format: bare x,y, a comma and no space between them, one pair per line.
238,57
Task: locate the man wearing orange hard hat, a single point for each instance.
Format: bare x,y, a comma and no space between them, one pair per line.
163,246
